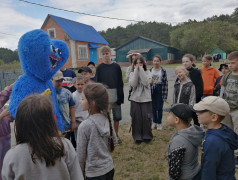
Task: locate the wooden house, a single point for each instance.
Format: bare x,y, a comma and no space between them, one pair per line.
148,48
83,40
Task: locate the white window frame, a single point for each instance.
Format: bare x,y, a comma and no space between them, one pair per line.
51,29
99,53
170,56
85,54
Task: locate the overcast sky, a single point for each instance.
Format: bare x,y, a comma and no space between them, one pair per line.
17,17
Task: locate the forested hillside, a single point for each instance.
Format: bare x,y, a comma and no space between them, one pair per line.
153,30
7,55
192,36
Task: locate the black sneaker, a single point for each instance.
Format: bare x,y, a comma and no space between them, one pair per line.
138,142
147,141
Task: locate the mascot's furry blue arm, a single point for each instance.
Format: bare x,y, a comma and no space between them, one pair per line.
40,59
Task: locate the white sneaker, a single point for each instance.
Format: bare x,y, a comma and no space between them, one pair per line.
153,126
159,127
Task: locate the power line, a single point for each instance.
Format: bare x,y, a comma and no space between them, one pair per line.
106,17
7,34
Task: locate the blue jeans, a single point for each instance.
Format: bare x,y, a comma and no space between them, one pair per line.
157,104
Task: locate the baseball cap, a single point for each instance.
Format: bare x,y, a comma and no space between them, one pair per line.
85,69
214,104
91,63
58,75
223,64
182,111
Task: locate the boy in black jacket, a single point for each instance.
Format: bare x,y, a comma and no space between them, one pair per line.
110,74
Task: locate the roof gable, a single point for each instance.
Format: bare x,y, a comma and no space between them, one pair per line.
78,31
217,51
143,38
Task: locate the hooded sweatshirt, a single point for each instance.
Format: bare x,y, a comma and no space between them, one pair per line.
218,154
184,93
187,141
18,165
209,75
140,82
93,146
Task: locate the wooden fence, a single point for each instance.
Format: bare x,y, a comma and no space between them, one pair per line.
8,77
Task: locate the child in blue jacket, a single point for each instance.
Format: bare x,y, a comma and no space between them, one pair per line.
220,141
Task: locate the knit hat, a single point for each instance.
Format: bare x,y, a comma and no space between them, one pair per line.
214,104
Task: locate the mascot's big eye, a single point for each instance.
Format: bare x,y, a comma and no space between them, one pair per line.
58,51
52,48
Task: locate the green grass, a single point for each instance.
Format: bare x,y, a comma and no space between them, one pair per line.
11,66
144,161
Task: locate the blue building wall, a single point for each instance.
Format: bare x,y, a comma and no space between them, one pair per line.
144,43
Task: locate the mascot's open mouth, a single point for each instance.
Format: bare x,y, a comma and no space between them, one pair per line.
54,60
55,57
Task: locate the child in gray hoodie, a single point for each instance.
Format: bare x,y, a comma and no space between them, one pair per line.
40,153
95,135
183,145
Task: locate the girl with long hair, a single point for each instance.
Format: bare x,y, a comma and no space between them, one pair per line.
141,105
159,91
95,135
188,61
40,152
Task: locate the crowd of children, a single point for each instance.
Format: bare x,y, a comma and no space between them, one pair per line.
202,95
220,144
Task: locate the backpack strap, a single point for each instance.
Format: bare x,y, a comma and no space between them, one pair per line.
226,76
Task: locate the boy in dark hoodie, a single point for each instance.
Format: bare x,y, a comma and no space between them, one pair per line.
183,146
220,141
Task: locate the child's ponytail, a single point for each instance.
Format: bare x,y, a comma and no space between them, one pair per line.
97,93
111,142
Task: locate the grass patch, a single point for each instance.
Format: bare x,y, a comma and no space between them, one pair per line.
144,161
11,66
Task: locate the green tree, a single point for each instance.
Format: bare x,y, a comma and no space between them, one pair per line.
7,55
153,30
201,38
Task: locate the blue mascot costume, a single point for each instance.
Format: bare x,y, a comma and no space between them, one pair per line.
40,59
